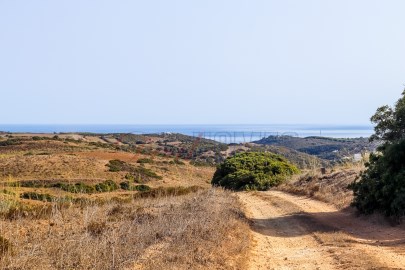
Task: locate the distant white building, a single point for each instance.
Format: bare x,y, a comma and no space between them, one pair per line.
357,157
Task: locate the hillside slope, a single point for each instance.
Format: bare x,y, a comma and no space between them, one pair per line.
332,149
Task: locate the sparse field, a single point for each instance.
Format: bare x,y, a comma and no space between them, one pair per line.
81,161
202,230
77,202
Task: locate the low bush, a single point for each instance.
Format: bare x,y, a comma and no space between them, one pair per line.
253,171
145,160
106,186
125,185
141,188
76,188
146,173
129,177
29,184
140,173
8,192
10,142
116,165
37,196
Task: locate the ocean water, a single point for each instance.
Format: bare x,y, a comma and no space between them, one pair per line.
222,133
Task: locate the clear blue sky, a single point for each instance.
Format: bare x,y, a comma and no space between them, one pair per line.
199,62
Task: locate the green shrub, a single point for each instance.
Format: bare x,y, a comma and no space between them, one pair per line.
116,165
144,160
106,186
30,184
140,173
141,188
8,192
10,142
381,187
125,185
129,177
382,184
37,196
146,173
76,188
253,171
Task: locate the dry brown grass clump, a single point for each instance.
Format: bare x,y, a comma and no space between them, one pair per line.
202,230
5,245
331,187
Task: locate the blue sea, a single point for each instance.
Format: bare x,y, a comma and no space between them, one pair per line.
222,133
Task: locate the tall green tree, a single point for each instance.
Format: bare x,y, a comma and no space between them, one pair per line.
381,187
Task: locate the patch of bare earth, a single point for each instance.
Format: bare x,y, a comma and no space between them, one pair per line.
292,232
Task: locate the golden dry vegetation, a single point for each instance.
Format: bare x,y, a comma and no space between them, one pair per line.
63,205
331,187
202,230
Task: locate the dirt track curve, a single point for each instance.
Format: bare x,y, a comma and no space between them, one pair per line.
292,232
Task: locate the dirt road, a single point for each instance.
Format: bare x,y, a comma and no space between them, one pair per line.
292,232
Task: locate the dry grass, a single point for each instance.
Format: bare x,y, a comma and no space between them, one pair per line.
330,188
175,225
90,166
202,230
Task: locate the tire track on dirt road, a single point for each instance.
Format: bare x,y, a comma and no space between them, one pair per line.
292,232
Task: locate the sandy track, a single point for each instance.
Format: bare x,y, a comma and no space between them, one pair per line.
292,232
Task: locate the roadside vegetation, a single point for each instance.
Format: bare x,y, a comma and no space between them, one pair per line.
331,187
253,171
381,187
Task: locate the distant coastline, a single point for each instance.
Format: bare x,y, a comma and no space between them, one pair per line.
224,133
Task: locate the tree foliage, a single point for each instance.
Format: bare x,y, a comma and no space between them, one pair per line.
253,171
382,185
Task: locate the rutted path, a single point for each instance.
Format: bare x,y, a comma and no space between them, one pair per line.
292,232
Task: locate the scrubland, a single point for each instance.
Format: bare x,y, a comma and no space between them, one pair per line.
199,230
92,204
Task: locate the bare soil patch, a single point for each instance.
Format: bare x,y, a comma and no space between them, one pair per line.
292,232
